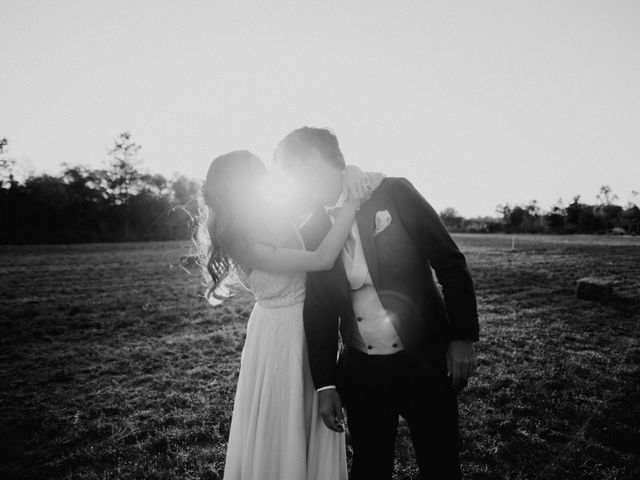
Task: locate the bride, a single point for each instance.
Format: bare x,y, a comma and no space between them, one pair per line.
276,432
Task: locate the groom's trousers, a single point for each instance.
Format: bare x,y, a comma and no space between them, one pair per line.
379,388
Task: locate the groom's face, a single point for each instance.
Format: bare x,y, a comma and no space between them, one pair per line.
302,173
318,182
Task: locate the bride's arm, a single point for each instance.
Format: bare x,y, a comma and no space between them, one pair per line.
360,185
283,260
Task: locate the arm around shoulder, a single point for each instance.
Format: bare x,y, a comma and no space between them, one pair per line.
283,260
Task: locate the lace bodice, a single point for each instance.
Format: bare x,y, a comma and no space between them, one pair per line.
276,290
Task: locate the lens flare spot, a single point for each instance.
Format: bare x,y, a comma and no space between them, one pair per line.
278,189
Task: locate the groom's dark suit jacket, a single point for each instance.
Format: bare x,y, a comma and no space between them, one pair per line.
399,260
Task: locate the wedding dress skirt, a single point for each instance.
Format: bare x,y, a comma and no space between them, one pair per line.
276,432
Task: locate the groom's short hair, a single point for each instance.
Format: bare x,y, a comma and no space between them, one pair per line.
297,145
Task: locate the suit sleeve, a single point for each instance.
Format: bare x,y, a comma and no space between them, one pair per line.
436,245
321,310
321,324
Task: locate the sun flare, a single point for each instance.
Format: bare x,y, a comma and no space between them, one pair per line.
278,189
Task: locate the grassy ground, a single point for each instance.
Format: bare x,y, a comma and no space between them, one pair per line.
112,365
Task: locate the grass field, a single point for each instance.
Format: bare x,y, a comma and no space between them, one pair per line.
113,367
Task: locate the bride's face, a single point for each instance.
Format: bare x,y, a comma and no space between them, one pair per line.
248,190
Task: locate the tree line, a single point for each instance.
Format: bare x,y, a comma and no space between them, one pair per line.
603,217
120,202
116,203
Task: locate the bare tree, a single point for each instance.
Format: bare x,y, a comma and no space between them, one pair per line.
124,176
6,165
533,208
605,196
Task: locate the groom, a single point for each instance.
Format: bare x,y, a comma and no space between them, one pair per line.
402,347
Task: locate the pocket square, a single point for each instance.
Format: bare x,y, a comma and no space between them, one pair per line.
383,219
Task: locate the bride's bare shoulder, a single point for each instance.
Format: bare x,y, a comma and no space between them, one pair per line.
278,231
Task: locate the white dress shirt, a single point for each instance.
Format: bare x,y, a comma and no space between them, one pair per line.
375,333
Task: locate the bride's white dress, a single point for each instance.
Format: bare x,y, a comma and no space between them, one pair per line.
276,432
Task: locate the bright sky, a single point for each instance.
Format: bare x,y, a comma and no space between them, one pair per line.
476,102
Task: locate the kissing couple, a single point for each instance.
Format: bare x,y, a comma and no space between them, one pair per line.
347,315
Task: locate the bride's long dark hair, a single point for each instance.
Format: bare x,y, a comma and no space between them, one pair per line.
229,218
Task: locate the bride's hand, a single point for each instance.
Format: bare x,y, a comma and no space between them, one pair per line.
359,185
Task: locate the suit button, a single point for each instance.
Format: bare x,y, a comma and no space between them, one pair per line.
369,347
395,345
359,319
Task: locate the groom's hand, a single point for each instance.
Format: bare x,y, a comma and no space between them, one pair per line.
461,363
330,408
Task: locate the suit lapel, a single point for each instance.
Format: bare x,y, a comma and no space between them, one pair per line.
313,232
365,219
319,224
